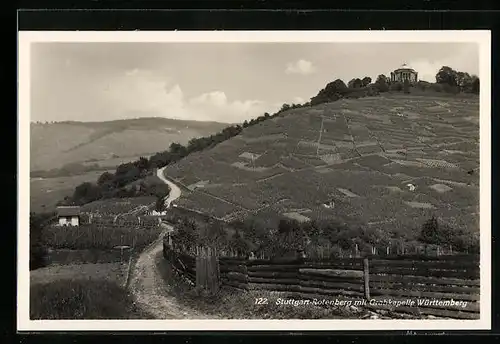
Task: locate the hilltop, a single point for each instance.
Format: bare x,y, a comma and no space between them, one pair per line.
351,161
101,145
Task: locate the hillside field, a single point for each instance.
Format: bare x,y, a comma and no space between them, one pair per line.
350,160
64,155
108,144
46,192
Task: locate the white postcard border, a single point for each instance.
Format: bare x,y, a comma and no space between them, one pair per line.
25,38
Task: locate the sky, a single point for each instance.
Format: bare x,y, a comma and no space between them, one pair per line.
223,82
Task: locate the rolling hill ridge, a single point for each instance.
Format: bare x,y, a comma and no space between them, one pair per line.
108,144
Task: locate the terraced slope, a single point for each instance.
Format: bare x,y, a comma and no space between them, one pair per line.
351,160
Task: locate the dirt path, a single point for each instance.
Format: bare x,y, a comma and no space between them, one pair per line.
149,289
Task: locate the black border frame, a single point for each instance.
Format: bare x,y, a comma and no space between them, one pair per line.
257,15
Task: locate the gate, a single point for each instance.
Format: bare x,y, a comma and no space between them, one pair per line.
207,270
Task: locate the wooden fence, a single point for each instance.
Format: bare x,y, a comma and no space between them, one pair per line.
444,286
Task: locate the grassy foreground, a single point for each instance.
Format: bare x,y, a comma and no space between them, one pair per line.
82,299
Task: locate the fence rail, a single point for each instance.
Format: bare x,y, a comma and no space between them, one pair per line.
443,286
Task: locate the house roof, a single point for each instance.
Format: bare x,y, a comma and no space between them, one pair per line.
68,211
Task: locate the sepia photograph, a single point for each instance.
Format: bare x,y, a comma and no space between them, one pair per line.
216,180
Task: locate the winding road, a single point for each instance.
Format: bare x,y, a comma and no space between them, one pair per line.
149,289
175,191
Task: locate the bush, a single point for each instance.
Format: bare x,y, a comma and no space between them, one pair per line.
434,233
396,86
332,92
381,83
406,87
81,299
423,85
38,251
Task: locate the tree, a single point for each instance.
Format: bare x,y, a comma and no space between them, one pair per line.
86,192
355,83
160,204
105,178
332,92
406,86
366,81
447,75
381,83
475,84
142,163
437,234
284,107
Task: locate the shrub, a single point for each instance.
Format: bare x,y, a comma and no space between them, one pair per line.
435,233
381,83
423,85
406,87
356,83
332,92
81,299
38,251
396,86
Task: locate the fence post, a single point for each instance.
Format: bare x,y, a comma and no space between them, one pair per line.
366,277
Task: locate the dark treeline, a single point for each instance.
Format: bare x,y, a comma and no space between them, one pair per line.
448,80
118,184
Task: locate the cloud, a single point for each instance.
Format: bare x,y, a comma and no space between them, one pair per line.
461,61
302,67
298,100
141,92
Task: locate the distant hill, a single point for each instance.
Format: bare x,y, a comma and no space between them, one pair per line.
107,144
350,160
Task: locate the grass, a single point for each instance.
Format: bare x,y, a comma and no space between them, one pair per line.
46,192
82,299
111,272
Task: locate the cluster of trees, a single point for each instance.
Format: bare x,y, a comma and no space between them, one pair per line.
461,81
337,89
289,236
359,83
448,80
436,233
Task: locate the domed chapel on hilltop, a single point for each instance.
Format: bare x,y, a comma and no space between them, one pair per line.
404,73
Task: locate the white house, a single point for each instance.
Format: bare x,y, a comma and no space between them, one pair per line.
68,216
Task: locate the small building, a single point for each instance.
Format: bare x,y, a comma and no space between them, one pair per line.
68,216
404,73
